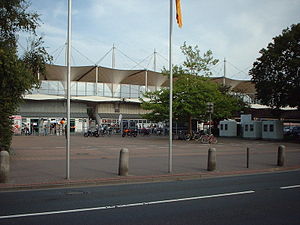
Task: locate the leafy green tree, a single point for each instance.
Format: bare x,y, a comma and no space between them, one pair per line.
192,91
195,64
190,96
276,73
17,74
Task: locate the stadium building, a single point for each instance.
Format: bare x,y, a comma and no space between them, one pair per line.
106,94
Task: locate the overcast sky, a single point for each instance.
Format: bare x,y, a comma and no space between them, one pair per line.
232,29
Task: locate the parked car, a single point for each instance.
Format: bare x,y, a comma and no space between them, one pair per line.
287,130
296,131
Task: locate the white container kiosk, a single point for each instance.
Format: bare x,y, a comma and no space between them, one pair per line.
272,129
228,128
252,129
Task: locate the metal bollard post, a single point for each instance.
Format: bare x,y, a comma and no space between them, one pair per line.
281,155
124,162
248,157
4,166
212,162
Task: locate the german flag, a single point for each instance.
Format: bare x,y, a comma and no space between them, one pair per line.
178,13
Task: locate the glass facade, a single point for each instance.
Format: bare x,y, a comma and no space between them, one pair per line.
92,89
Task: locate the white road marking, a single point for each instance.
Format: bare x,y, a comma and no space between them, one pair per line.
126,205
290,187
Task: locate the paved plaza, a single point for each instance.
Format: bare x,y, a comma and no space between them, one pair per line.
42,159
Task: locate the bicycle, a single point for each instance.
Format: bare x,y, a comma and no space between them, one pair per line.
194,136
129,132
208,139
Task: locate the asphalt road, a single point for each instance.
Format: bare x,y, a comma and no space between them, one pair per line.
272,198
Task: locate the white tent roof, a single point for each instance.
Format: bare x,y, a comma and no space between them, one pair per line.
106,75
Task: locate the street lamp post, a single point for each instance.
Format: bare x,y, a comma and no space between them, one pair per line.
210,109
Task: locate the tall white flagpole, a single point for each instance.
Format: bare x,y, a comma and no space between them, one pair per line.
68,91
171,90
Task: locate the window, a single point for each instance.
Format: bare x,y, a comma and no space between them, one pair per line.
90,89
117,91
80,89
125,91
271,127
107,90
251,127
226,126
74,88
246,127
221,126
100,89
265,128
135,91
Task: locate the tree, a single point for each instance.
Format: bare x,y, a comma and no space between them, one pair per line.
17,74
191,94
276,73
192,91
195,64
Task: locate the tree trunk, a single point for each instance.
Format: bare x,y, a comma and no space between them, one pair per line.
190,125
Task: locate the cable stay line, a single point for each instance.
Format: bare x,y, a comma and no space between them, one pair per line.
246,75
236,68
218,72
162,56
58,55
73,60
62,46
103,57
88,59
139,64
152,57
126,56
213,66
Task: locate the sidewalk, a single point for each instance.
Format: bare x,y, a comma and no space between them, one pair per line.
40,161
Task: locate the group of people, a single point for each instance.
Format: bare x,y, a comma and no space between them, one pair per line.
46,129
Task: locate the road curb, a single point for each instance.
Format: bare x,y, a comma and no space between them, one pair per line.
138,179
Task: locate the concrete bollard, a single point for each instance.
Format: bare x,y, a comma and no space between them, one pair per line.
212,159
247,158
281,155
124,162
4,166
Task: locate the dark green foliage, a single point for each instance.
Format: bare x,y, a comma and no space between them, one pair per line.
277,72
17,75
190,95
192,90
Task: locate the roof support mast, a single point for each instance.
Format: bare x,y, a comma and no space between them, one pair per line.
113,65
154,61
224,76
113,59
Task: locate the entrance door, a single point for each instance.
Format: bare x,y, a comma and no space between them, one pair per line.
72,125
34,126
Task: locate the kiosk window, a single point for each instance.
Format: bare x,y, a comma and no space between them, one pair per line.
251,127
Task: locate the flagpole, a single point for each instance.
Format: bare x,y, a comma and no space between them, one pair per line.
171,90
67,128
